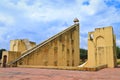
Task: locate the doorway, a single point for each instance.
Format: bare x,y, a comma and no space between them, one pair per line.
4,60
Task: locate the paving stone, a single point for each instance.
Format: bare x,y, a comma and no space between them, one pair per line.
53,74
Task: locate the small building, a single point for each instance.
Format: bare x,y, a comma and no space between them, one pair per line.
17,47
101,48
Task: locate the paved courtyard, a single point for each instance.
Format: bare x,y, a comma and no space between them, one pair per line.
52,74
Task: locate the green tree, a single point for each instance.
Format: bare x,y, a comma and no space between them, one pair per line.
83,54
118,52
1,50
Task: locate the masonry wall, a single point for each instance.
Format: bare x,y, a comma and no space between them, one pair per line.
19,45
62,50
101,47
10,56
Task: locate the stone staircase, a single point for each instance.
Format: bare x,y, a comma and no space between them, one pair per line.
30,50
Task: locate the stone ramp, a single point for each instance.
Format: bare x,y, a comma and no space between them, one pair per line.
29,51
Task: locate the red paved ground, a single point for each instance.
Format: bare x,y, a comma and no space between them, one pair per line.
51,74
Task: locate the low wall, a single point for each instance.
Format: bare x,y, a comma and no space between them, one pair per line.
65,67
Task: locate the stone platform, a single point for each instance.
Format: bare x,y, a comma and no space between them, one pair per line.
53,74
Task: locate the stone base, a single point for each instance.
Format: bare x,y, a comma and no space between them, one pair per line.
65,67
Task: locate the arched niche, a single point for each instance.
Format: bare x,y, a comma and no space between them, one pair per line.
100,41
100,45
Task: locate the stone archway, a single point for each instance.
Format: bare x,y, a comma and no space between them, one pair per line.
100,56
4,60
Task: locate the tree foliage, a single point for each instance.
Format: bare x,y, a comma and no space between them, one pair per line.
118,52
1,50
83,54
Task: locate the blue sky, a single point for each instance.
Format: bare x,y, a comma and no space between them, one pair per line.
38,20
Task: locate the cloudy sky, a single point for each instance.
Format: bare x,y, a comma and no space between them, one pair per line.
38,20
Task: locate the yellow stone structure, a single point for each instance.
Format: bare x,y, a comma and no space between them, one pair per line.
17,47
9,56
21,45
101,48
62,51
59,50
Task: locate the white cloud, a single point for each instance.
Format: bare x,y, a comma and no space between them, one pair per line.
7,19
43,10
44,13
9,23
